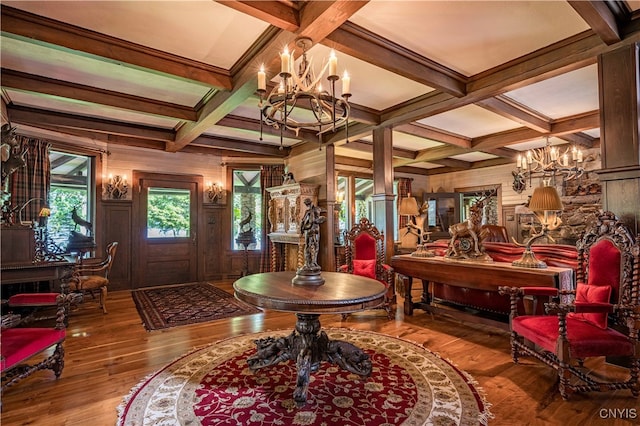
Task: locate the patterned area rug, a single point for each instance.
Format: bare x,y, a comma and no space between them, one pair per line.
170,306
409,385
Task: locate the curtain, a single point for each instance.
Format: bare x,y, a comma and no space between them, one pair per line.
404,189
269,176
33,181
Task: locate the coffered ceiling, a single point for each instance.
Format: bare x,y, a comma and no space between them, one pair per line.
463,84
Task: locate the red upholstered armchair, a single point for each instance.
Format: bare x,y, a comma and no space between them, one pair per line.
601,321
364,255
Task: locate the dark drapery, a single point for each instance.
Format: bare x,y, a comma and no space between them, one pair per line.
270,175
32,181
404,189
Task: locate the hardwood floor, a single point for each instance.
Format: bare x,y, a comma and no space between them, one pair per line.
106,355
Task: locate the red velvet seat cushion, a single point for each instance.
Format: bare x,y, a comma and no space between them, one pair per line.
20,344
585,339
592,294
33,299
365,268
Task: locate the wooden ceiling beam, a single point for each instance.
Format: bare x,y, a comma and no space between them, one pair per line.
32,116
364,146
320,18
36,84
245,123
353,162
512,110
275,13
231,144
600,18
568,125
432,154
422,131
362,44
34,27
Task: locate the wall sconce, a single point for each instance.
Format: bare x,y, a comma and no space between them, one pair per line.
117,187
546,205
214,191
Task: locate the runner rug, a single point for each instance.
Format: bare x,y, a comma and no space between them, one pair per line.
409,385
183,304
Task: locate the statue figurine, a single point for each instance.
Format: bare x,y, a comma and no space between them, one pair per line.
309,273
311,227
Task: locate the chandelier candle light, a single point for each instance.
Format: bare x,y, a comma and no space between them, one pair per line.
548,161
303,91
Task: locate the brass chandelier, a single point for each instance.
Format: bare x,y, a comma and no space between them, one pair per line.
547,162
299,100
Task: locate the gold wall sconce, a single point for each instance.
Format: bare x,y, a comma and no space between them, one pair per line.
214,192
116,187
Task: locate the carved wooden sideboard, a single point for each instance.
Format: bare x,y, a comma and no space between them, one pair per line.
286,209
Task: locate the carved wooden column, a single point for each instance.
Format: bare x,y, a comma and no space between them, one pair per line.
619,76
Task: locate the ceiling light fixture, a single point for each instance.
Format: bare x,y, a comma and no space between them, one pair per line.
299,101
547,162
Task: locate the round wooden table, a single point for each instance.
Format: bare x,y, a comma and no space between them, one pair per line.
307,344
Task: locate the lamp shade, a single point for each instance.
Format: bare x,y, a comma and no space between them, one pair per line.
545,198
409,207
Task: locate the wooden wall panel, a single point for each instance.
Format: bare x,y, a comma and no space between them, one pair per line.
117,227
214,244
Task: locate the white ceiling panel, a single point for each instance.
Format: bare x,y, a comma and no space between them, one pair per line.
204,31
371,86
474,156
471,36
567,94
470,121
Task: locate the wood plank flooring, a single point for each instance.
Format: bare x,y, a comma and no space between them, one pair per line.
106,355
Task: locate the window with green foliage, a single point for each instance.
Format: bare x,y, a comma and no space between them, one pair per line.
168,213
247,210
70,187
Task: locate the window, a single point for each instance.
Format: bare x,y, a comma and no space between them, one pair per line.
70,187
362,200
246,217
168,213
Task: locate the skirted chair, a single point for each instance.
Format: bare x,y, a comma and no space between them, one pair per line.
364,255
600,318
90,278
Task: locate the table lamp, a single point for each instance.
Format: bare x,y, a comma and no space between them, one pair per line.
546,205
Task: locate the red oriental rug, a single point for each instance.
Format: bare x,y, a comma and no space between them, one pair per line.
213,385
183,304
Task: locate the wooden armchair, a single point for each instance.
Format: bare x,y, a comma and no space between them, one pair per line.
21,345
364,255
601,318
94,277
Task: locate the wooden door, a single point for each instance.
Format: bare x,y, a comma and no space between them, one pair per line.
167,244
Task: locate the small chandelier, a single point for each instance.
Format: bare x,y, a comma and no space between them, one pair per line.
303,91
547,162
